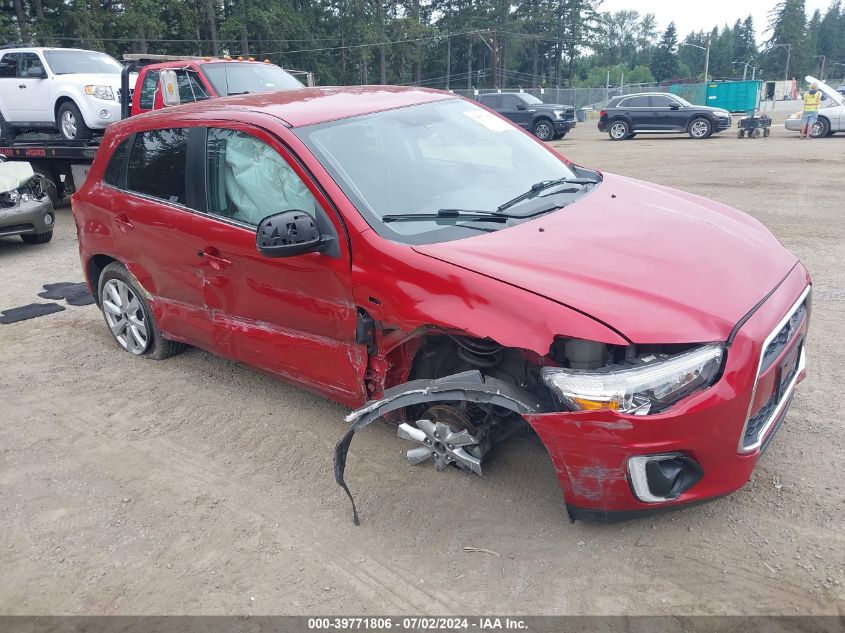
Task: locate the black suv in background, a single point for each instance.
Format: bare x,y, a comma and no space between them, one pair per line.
657,112
545,121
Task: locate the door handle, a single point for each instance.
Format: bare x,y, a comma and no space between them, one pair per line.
214,258
123,223
21,85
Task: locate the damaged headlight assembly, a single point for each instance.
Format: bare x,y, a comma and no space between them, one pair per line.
656,383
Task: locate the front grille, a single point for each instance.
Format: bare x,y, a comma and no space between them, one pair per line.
784,335
120,92
723,124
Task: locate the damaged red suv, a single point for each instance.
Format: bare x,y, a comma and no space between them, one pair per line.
416,256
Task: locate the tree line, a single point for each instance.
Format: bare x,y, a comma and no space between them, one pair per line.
442,43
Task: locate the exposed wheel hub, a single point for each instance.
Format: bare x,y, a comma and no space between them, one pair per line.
447,437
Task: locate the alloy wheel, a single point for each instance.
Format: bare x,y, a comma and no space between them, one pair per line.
441,442
543,131
618,130
699,129
125,316
68,125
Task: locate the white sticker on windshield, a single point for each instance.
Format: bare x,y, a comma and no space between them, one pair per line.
491,122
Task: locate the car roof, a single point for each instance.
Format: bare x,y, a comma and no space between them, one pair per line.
308,106
17,49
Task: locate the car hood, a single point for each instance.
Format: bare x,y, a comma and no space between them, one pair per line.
830,92
712,109
97,79
655,264
552,106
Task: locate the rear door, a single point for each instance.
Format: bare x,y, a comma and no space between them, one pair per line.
156,232
293,316
638,111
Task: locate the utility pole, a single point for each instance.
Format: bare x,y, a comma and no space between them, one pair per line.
448,59
469,62
707,58
821,70
495,60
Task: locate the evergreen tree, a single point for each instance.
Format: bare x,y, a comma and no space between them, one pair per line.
664,65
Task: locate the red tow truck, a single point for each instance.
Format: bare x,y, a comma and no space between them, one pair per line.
161,81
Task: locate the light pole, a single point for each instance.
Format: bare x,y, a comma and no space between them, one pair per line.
788,48
706,50
821,70
745,70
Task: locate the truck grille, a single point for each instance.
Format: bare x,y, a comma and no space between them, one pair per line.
786,342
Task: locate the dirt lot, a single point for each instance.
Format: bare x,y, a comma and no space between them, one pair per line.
196,485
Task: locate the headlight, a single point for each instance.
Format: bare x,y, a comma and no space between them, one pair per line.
10,198
559,113
652,386
795,115
101,92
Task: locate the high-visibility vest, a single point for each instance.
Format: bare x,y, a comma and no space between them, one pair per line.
812,101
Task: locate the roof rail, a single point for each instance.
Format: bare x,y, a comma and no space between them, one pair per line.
144,57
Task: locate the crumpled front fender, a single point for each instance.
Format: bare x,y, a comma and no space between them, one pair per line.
470,386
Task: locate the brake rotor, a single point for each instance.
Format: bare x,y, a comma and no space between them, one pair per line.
445,435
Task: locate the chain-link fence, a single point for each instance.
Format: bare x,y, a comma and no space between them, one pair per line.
577,97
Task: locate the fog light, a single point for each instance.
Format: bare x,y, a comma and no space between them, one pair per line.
104,113
48,219
658,478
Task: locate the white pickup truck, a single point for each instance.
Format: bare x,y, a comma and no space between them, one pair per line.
72,90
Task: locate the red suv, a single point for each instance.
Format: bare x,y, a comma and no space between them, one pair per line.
415,255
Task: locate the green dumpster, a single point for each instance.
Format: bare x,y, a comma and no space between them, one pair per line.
734,96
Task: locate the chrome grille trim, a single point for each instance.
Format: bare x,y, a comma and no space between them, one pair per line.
786,396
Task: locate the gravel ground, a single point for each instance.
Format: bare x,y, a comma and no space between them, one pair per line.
199,486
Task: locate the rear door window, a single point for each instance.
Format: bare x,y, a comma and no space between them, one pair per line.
9,65
492,101
635,102
114,170
157,164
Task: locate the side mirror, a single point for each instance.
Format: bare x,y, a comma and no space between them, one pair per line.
36,72
675,106
520,106
169,88
289,233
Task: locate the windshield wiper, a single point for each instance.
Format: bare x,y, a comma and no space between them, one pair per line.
450,214
538,187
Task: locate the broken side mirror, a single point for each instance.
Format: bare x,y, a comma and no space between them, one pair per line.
290,233
169,88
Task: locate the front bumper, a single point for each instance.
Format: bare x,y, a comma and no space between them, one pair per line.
723,123
591,450
27,218
100,113
562,126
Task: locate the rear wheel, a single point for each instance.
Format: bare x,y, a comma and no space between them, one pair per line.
618,131
41,238
544,130
129,317
71,124
700,128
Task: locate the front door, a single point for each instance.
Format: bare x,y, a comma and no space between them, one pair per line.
34,91
516,110
293,316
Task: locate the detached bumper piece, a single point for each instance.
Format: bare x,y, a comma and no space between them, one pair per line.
470,386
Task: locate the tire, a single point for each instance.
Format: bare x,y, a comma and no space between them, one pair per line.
766,132
740,134
6,133
820,128
71,124
559,136
129,315
40,238
544,130
618,130
700,128
757,133
632,135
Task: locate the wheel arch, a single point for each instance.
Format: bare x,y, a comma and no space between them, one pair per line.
93,269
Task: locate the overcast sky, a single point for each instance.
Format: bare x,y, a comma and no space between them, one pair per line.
692,16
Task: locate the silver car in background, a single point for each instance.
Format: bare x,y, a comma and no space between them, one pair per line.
25,207
831,113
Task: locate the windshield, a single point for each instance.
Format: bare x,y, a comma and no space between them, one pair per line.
237,78
531,99
76,62
425,158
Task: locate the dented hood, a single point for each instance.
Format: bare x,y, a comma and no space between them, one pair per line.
656,264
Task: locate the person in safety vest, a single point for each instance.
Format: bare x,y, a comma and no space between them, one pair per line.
812,99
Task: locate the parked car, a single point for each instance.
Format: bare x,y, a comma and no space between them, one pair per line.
74,91
547,121
25,207
660,113
200,78
410,253
831,117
